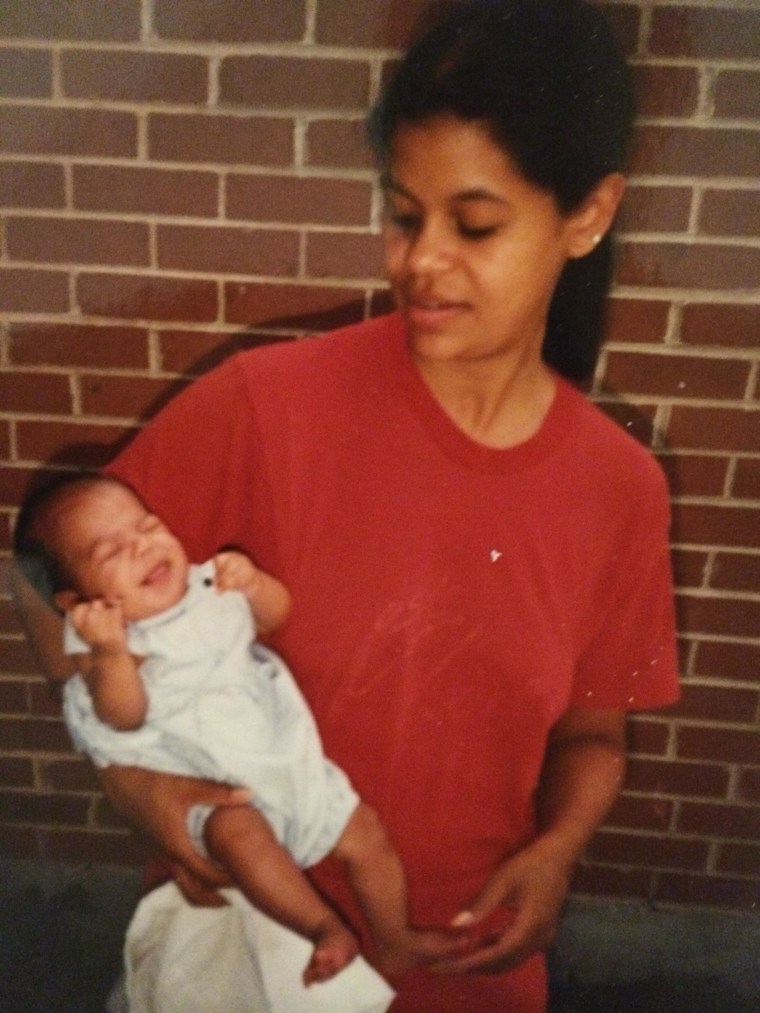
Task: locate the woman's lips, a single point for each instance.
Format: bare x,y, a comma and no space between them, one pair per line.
431,314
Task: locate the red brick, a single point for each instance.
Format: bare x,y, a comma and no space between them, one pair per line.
733,429
719,820
126,396
737,94
8,619
725,745
281,82
666,91
222,21
345,23
693,474
730,213
26,290
15,482
146,190
655,209
80,445
719,660
689,567
16,772
20,842
688,265
344,255
118,20
13,694
747,479
666,777
743,859
195,352
647,737
24,734
78,345
633,812
298,200
247,140
102,847
607,881
736,571
625,22
695,151
281,306
26,73
145,297
718,616
704,33
749,786
710,891
48,131
32,185
338,144
637,420
134,76
78,241
228,250
18,659
45,698
649,851
36,807
636,320
26,392
723,324
680,376
716,703
68,775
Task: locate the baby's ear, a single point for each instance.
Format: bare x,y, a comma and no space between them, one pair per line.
66,600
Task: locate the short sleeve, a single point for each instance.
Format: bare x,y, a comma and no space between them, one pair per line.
196,464
631,662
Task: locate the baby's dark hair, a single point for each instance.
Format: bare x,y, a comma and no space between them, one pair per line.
548,81
35,555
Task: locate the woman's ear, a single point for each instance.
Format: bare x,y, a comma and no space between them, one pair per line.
589,223
66,600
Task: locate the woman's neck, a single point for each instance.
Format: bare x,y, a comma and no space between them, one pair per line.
496,406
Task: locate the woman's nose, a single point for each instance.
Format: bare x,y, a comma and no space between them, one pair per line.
430,249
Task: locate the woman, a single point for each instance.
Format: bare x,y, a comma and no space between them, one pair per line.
477,557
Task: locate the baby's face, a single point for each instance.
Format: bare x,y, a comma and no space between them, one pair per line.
118,551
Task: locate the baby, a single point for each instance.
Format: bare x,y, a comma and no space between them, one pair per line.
171,678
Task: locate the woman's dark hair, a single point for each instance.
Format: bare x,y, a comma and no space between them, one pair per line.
548,81
35,557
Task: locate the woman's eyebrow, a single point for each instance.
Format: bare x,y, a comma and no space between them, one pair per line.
471,195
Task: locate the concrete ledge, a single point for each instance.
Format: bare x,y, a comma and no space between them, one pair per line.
61,930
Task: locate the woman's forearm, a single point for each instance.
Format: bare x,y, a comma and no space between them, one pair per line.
582,776
43,627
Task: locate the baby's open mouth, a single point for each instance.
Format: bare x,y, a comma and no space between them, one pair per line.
157,574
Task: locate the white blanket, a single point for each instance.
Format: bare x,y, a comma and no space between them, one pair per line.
233,959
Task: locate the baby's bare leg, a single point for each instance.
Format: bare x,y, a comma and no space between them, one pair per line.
379,882
240,839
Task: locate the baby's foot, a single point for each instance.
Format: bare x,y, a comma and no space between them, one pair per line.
334,948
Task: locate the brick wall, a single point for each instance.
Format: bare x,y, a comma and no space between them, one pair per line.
180,178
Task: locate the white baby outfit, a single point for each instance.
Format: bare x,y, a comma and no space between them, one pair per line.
221,706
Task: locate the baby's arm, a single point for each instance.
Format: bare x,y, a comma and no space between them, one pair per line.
268,597
112,674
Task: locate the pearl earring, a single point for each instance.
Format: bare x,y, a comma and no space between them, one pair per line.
596,239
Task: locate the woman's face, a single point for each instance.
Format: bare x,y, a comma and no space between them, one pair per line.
473,250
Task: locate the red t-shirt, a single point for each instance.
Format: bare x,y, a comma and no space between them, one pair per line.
450,600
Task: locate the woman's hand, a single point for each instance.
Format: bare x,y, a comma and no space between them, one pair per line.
517,912
581,778
156,804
